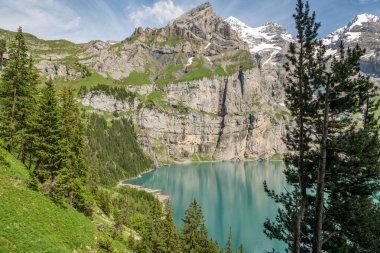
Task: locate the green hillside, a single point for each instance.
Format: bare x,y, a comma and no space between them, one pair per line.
31,222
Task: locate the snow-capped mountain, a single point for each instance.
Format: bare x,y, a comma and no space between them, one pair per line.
268,43
364,30
270,36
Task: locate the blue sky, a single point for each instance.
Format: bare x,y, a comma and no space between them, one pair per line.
85,20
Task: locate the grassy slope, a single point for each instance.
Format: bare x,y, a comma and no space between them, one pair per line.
87,82
30,222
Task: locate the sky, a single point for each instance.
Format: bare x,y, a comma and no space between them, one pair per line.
85,20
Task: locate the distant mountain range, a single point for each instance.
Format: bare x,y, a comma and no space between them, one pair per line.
271,39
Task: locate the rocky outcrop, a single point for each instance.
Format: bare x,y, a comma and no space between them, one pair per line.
217,120
55,69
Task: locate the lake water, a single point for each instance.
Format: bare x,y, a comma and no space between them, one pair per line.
230,193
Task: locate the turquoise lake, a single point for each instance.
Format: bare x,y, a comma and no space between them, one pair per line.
230,193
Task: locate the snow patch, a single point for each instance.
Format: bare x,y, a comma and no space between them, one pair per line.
264,46
270,58
353,36
331,52
189,61
364,18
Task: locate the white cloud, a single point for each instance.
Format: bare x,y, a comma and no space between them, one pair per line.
41,17
77,21
156,15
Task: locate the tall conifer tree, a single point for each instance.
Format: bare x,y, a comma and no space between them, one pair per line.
50,156
73,177
194,232
301,68
350,157
172,242
17,87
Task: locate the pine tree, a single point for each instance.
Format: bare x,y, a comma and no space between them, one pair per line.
229,247
172,242
17,88
194,232
50,156
153,235
3,49
300,161
74,177
27,135
352,162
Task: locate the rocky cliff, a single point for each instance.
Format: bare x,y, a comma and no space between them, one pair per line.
203,119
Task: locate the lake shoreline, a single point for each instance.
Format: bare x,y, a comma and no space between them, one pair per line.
121,182
164,198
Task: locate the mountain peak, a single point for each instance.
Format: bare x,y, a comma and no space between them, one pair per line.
204,24
273,24
266,41
361,19
363,25
200,11
234,20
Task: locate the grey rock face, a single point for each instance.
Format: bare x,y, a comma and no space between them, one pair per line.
242,131
54,69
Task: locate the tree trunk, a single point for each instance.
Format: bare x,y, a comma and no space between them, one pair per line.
317,240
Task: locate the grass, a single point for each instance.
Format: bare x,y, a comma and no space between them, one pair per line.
219,70
197,70
30,222
234,60
138,78
166,76
88,82
157,99
171,41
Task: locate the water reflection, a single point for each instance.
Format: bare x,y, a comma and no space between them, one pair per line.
230,193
